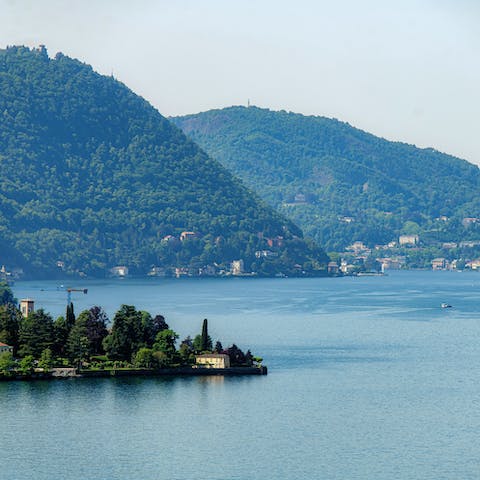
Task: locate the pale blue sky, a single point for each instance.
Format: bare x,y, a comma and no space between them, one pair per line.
406,70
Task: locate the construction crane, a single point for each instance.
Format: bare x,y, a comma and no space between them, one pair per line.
69,293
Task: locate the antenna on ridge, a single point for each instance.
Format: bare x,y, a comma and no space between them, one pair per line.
248,103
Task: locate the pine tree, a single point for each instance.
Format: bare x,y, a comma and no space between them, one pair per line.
36,334
218,347
127,335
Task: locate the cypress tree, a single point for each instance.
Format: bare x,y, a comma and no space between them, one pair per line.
70,316
206,340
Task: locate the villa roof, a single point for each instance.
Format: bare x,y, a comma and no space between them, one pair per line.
212,355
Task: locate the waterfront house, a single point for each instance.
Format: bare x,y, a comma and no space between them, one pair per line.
157,272
439,264
474,264
346,268
212,360
120,271
332,267
237,267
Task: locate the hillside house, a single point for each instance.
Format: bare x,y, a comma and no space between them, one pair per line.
469,221
358,247
300,198
408,240
265,254
169,239
187,235
392,263
4,275
275,242
469,243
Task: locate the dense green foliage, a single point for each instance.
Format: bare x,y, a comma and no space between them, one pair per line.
7,364
86,336
6,294
36,334
338,183
10,318
135,340
92,176
127,335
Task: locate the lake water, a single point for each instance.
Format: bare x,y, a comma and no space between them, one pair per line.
368,379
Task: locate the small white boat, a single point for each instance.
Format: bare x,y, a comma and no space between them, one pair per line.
446,305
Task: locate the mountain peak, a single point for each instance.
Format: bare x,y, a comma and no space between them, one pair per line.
92,176
341,171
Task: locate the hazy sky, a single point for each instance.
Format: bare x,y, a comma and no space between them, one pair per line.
406,70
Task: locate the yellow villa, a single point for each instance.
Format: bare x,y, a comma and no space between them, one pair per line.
212,360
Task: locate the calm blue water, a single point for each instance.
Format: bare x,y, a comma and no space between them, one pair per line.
368,379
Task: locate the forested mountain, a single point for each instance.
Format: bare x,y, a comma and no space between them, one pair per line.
341,184
92,176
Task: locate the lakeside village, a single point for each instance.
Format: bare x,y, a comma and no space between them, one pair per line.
270,252
33,345
409,252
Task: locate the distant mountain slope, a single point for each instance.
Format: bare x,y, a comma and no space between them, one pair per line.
338,183
92,176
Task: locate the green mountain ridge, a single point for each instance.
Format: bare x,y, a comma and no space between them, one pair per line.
92,176
341,184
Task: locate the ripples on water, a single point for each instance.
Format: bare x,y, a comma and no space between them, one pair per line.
369,379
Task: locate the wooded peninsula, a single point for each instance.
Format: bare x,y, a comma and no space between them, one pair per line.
34,345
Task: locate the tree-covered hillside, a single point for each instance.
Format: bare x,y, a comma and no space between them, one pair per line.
92,176
338,183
